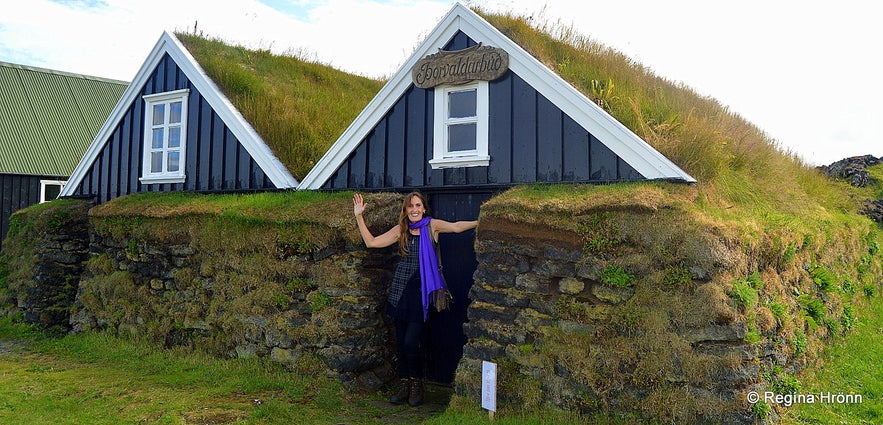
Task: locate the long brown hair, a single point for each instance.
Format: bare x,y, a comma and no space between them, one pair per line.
404,222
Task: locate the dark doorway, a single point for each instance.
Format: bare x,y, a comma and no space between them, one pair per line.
445,336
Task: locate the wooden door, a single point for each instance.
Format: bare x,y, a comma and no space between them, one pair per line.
445,336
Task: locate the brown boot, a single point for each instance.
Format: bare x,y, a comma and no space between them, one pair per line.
404,392
416,397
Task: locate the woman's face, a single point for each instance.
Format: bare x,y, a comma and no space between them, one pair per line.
415,209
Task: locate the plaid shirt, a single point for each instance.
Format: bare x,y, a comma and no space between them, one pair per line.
406,268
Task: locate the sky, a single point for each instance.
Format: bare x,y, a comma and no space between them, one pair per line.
806,72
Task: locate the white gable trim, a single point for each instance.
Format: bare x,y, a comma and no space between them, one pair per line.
613,134
244,132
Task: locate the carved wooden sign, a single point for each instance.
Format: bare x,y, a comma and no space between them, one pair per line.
460,66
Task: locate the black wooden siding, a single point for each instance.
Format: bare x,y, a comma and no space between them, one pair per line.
215,160
16,192
530,140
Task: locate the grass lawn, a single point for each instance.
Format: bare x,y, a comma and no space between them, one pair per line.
97,378
853,365
101,379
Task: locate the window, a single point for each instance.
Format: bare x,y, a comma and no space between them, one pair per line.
49,189
165,136
461,126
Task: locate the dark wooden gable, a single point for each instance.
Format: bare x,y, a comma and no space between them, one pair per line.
18,191
215,159
530,141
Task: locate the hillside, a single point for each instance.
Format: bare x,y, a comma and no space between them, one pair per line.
736,163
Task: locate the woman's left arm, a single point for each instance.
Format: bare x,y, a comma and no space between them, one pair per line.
441,226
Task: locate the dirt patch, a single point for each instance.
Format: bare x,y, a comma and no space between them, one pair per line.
214,417
435,401
534,235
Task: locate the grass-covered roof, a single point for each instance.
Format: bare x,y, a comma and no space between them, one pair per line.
298,107
742,172
301,107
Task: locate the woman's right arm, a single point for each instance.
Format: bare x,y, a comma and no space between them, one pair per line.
386,239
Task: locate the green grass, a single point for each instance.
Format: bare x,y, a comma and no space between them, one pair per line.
273,207
742,173
749,194
97,378
298,106
852,366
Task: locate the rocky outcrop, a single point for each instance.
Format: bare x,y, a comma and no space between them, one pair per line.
852,169
873,209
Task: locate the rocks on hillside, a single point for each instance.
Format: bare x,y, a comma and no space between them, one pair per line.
852,169
873,209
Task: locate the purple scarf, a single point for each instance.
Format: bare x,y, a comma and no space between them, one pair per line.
430,278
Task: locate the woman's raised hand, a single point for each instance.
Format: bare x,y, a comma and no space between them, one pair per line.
358,205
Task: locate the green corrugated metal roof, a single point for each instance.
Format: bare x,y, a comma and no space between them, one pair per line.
48,118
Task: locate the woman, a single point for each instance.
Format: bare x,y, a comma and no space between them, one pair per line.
416,278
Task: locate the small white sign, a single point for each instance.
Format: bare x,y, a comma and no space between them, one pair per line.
489,386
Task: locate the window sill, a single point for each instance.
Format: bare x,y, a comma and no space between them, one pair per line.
161,179
460,162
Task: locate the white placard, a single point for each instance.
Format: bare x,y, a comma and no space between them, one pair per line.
489,386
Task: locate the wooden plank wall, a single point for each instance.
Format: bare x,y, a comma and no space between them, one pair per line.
530,141
215,160
17,192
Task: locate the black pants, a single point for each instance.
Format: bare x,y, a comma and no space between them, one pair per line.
410,348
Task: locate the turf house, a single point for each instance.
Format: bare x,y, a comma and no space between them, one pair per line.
175,130
640,249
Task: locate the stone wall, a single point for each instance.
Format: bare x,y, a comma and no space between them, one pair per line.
325,304
293,292
668,343
587,311
46,252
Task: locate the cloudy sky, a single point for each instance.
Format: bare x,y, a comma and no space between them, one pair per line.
806,72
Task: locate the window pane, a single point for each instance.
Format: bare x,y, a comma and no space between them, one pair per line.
174,159
157,139
462,103
174,137
156,162
159,114
461,137
175,112
51,191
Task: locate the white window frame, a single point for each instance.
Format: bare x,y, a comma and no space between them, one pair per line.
44,183
444,158
150,101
